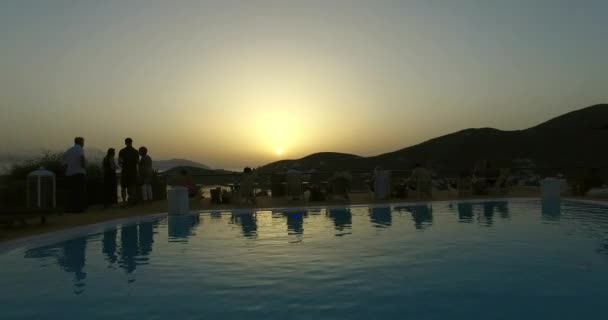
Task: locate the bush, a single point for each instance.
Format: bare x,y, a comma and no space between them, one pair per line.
52,162
49,161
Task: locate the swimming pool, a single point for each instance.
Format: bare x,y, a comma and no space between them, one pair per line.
444,260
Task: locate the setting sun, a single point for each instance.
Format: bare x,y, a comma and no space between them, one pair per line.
279,152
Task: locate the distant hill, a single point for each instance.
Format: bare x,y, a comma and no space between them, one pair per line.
195,171
576,138
164,165
319,161
201,175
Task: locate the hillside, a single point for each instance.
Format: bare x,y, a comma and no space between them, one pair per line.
163,165
320,161
194,171
576,138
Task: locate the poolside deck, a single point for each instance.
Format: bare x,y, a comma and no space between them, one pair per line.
98,214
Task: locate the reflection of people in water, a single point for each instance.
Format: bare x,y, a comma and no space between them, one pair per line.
488,213
109,245
421,214
551,210
247,221
604,247
503,208
181,227
128,248
146,237
380,217
73,260
465,212
342,219
71,257
295,222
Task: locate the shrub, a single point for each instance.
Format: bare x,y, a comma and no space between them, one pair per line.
52,162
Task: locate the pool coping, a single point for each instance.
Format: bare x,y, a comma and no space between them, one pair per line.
52,237
49,238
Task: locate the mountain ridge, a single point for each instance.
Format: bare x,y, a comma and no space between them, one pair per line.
573,139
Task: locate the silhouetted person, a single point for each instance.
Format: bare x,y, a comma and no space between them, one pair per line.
420,176
110,196
128,159
76,177
145,174
246,187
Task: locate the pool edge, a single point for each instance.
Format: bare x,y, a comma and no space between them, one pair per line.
49,238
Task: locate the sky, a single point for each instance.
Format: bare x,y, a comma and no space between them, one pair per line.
235,83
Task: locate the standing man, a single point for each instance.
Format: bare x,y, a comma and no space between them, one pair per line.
75,174
145,175
128,158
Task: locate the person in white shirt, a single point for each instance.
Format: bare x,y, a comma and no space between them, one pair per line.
75,174
145,174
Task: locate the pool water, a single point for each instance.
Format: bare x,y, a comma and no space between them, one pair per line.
447,260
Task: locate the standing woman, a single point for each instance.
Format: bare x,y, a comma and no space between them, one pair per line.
145,174
110,196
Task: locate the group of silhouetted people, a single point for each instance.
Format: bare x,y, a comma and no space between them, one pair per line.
135,170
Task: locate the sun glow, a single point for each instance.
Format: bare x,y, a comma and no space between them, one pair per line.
279,152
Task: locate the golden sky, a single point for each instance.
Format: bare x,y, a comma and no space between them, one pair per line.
232,83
